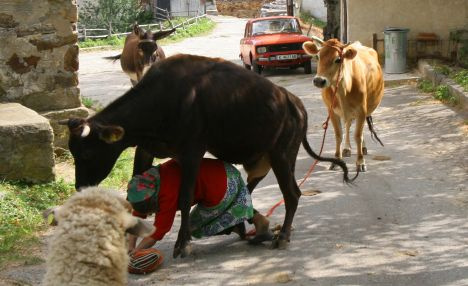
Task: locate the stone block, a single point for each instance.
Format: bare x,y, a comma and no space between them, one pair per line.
61,131
26,145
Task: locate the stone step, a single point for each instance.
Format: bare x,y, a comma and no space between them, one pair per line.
213,12
26,145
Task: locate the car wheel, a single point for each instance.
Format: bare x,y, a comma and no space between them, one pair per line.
308,67
247,66
257,68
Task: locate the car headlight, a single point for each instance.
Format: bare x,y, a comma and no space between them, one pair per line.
261,50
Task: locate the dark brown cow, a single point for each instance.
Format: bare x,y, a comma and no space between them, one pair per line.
187,105
140,52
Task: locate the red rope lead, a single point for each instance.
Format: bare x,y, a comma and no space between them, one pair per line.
325,127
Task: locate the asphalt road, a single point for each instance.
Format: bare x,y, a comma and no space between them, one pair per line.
405,222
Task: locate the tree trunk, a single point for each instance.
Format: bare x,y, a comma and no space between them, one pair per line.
332,29
290,7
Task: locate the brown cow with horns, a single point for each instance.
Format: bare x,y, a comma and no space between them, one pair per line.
187,105
140,52
352,86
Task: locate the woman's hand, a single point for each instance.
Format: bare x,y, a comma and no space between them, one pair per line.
146,242
132,239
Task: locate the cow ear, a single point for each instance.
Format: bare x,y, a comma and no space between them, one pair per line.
349,54
310,48
137,226
111,134
162,34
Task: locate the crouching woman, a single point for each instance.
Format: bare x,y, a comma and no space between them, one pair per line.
222,202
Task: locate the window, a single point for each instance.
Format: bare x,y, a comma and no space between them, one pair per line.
273,26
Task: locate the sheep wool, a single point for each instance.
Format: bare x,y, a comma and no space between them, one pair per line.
89,246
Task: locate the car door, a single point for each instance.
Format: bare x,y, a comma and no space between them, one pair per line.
244,44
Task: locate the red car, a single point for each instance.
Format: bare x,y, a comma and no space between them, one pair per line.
274,42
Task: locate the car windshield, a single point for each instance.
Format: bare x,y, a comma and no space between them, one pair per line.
273,26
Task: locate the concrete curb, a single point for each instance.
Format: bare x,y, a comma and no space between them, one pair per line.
429,73
401,81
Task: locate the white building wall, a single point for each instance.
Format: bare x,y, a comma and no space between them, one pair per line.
186,7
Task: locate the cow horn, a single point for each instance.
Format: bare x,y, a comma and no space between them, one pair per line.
317,39
347,44
63,122
86,130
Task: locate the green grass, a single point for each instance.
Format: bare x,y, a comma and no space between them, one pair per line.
122,171
306,17
426,86
21,206
203,26
111,41
90,103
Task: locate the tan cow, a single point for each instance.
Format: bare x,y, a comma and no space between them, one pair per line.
355,72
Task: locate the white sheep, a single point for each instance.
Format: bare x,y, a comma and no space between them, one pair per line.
89,245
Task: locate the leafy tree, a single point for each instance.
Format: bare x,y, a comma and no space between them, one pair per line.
114,15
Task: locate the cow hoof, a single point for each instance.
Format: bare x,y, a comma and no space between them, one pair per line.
176,252
182,251
361,168
279,244
259,238
346,153
332,167
364,151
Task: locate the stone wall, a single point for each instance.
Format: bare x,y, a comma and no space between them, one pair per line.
26,145
39,56
240,8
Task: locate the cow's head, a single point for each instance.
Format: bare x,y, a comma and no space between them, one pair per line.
331,55
95,149
147,45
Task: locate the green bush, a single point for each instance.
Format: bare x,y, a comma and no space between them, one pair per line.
443,69
443,94
306,17
114,15
461,78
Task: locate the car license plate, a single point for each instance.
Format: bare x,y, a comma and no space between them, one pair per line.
286,57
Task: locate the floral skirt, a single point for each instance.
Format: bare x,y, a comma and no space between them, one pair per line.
234,208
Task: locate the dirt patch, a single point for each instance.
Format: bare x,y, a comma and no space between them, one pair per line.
239,8
66,171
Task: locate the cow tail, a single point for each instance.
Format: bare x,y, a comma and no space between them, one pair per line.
374,136
114,58
338,162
